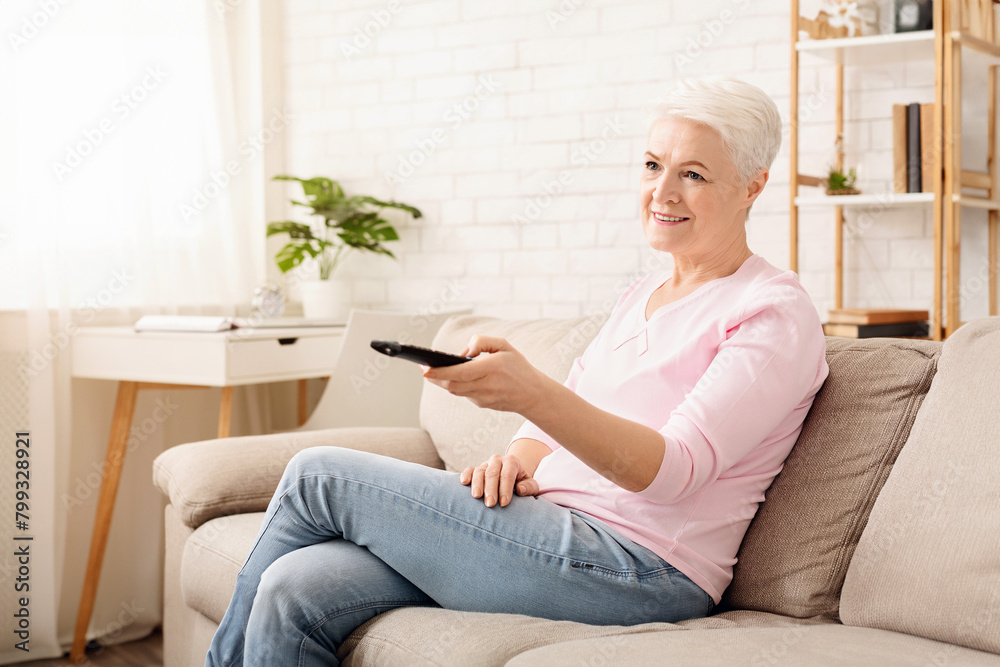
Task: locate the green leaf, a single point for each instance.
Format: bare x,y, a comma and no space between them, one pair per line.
365,199
291,256
295,230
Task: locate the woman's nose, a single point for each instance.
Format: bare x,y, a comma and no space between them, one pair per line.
666,191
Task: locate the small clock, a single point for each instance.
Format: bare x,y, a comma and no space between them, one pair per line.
268,301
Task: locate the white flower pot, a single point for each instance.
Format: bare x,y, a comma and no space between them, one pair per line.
325,299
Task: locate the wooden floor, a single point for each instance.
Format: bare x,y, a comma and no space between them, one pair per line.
146,652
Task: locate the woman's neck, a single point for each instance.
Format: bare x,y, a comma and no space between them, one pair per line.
696,271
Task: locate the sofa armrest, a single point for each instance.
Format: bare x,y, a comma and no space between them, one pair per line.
213,478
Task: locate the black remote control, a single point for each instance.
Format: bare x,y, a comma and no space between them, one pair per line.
420,355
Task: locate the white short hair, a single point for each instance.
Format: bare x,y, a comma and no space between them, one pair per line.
742,114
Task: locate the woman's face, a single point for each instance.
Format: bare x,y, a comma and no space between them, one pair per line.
692,199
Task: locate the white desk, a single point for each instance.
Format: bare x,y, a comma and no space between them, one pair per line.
182,360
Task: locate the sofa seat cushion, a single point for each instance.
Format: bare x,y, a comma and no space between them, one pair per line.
466,435
415,636
795,553
212,558
928,562
422,636
834,645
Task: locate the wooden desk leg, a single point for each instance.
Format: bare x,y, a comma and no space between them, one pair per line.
303,401
225,411
113,461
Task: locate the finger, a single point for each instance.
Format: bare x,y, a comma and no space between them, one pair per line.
466,476
467,372
527,487
508,476
480,344
491,480
478,476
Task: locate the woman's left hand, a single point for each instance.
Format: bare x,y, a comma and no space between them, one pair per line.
502,379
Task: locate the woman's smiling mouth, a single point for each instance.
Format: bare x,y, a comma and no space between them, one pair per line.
667,219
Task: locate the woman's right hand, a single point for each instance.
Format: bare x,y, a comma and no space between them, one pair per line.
499,477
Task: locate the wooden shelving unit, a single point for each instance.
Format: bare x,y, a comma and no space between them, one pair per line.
945,46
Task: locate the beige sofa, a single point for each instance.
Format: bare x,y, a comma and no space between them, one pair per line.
866,551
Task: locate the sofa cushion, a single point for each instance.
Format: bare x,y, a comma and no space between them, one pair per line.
466,435
414,636
212,558
817,645
433,636
795,553
928,562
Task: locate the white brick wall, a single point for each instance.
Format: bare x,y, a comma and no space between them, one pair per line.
527,111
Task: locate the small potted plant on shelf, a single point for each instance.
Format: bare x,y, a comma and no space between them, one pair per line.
839,183
341,224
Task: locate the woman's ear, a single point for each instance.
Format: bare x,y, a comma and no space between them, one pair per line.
755,186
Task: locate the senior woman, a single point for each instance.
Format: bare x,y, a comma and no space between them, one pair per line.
624,496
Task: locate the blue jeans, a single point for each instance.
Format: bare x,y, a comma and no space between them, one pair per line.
349,535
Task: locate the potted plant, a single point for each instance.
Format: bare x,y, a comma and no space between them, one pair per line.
839,183
341,224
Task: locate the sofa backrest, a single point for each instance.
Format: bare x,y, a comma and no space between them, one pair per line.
466,435
797,549
927,561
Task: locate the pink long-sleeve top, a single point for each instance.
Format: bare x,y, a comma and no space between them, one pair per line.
726,375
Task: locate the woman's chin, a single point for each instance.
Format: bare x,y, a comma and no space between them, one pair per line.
664,242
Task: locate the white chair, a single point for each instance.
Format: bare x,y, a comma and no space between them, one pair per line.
368,388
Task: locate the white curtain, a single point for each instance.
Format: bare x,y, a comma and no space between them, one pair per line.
131,181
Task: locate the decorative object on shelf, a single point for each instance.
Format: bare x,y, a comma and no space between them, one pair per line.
913,15
343,224
871,18
840,18
268,301
839,183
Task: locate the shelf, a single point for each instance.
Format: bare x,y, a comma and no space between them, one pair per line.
977,202
988,49
874,49
885,199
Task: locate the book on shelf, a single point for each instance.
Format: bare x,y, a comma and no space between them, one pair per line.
896,330
912,147
914,178
899,148
927,148
214,323
876,316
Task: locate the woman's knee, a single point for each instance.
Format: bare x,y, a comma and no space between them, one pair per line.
278,585
324,459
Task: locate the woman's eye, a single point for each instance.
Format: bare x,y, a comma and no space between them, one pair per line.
694,176
652,166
